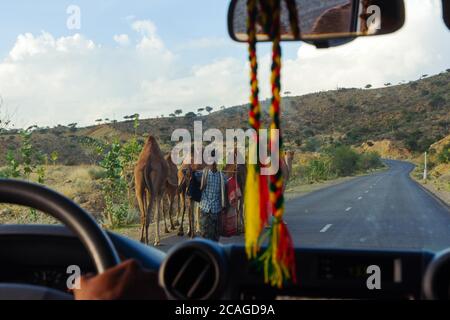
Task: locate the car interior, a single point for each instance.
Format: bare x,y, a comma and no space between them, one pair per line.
35,257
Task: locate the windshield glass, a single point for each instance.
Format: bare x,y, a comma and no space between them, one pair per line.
365,126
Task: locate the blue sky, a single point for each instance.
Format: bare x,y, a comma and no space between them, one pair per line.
155,56
177,21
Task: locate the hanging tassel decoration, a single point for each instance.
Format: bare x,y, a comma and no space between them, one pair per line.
256,191
278,259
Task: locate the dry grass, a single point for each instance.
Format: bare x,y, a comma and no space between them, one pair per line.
438,181
74,182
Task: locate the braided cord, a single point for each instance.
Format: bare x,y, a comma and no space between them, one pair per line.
255,108
293,18
276,180
256,193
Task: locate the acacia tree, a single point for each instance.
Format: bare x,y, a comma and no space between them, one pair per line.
4,117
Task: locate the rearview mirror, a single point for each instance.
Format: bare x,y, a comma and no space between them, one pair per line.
321,21
446,12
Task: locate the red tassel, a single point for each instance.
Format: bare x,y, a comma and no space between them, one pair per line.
286,253
264,202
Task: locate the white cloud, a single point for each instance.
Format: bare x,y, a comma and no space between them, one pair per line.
150,39
27,45
72,79
421,46
122,39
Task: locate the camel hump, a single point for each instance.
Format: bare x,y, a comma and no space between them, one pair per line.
151,139
152,147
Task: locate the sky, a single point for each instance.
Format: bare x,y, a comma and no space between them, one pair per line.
155,56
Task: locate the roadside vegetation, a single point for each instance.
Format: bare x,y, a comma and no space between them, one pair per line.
331,163
438,166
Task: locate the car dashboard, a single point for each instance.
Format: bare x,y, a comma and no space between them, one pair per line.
200,269
45,255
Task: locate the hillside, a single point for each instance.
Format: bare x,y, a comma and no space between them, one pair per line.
396,121
438,165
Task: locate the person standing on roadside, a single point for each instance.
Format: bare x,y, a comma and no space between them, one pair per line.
213,200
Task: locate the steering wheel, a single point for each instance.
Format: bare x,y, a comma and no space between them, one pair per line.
94,239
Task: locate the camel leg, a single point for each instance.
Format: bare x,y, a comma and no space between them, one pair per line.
150,209
183,203
140,195
171,199
191,219
157,211
197,217
191,216
166,230
177,216
189,213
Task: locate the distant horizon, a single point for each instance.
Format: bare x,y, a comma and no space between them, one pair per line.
106,120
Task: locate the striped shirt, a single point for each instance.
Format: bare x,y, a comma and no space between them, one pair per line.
212,193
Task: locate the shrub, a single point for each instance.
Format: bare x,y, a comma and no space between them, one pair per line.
369,160
318,169
97,173
344,160
444,155
437,101
311,145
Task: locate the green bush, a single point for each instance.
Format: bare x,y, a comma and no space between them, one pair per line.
369,160
97,173
311,145
444,155
318,170
336,161
344,160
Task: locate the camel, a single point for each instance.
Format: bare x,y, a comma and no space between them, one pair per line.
286,167
171,191
150,174
240,170
185,174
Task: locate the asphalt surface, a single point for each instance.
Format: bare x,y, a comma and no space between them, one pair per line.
385,210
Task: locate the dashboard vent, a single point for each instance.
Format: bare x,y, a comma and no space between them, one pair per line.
192,272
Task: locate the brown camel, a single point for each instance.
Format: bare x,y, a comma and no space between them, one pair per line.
171,191
150,174
185,174
286,167
240,170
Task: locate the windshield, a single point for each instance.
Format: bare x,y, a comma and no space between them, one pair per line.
88,91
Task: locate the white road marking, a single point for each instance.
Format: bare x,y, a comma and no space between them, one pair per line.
328,226
359,198
348,209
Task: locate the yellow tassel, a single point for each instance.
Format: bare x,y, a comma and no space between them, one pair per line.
252,215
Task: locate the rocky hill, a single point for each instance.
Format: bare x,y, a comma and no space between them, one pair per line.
396,120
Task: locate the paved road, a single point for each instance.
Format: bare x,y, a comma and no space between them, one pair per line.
382,210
